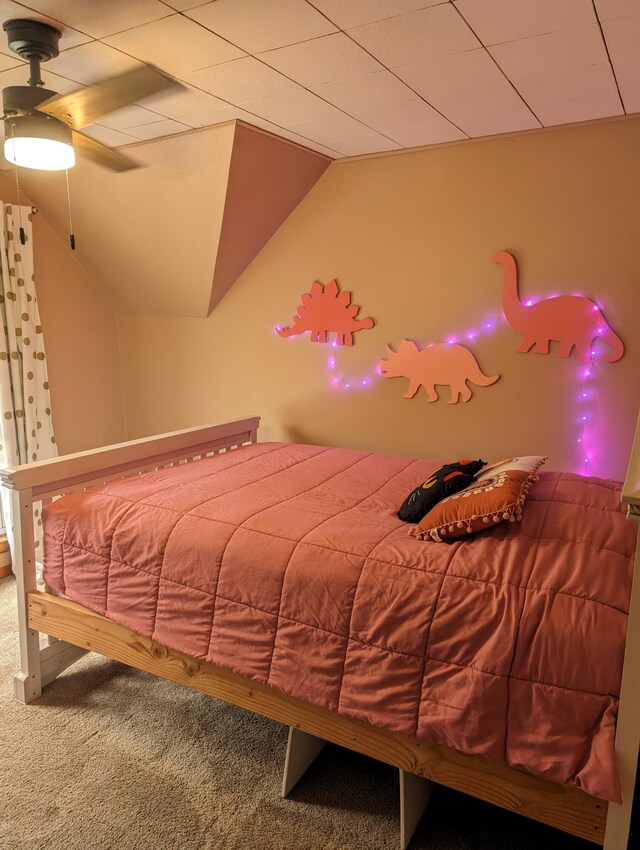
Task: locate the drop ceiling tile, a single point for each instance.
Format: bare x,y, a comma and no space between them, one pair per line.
327,130
623,41
258,25
98,18
112,138
501,122
552,53
241,80
365,91
427,134
187,101
631,100
426,34
210,117
129,116
609,9
175,44
183,5
581,109
372,143
308,143
91,63
456,72
7,62
323,60
491,100
389,120
575,84
9,9
497,21
292,107
354,13
168,127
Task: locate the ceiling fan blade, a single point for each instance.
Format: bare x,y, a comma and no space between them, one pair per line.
84,106
96,151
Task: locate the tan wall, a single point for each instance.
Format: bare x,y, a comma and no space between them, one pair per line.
81,340
413,236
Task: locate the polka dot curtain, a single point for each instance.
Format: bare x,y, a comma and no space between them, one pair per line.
26,431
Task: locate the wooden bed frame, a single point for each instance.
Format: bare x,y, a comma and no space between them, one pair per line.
72,630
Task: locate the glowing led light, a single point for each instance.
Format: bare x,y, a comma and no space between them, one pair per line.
529,303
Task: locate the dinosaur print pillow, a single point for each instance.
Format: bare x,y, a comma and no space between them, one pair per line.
498,494
445,481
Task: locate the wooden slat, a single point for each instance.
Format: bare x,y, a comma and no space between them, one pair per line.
561,806
69,470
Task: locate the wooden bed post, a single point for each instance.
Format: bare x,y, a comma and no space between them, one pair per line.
28,682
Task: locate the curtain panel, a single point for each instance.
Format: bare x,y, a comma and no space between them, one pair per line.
26,430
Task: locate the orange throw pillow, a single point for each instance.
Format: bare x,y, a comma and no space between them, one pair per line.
499,494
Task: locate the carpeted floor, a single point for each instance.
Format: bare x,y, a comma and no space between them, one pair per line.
113,759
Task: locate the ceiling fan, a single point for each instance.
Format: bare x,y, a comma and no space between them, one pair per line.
42,128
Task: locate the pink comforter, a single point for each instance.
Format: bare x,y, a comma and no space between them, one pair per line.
288,564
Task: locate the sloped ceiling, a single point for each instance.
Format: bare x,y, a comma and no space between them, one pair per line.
172,237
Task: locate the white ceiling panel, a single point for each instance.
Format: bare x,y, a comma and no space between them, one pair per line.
168,127
399,116
240,81
493,124
323,60
581,109
489,106
327,130
365,91
609,9
354,13
219,116
129,116
497,21
98,18
258,25
187,101
427,134
555,53
18,77
623,39
426,34
372,143
291,107
175,44
631,100
576,84
456,72
109,137
92,62
7,62
183,5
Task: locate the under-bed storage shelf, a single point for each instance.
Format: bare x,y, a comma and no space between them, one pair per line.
561,806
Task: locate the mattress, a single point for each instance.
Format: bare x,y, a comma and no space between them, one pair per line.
288,564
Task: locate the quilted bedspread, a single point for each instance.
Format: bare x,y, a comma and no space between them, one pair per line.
288,564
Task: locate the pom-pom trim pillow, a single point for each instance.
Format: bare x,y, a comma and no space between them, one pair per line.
498,494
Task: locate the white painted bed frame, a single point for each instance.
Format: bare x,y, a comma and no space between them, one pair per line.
71,630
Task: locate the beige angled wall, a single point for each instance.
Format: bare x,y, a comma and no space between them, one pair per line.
81,340
412,236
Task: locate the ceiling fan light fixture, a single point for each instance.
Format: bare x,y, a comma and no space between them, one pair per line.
38,141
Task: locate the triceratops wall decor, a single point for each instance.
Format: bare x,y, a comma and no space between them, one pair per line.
324,310
440,363
572,320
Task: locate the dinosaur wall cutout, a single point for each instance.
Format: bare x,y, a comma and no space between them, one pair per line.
437,364
325,310
572,320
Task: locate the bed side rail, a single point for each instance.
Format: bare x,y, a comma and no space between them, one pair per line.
61,474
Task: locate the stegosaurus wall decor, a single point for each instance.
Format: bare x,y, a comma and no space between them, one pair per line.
572,320
327,310
440,363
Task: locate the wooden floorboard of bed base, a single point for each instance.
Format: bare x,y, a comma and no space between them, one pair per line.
561,806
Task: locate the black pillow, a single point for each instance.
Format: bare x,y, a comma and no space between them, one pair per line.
449,479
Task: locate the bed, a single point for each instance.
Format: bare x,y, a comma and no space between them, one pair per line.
278,577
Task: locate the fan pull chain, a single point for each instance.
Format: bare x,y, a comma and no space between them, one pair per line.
23,240
72,238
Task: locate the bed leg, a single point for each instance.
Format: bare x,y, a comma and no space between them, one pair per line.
414,796
28,682
302,751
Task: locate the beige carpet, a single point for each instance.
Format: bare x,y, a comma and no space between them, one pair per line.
113,759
